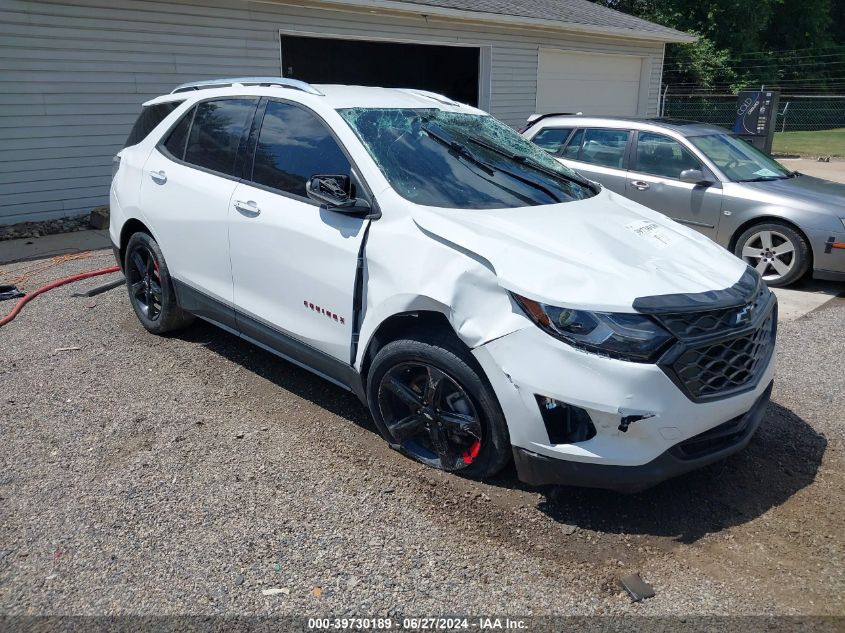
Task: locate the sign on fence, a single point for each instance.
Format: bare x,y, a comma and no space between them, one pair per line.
756,111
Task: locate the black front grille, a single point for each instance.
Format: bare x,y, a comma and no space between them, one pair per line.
721,352
694,324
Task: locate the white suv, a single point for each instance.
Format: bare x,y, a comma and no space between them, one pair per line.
484,301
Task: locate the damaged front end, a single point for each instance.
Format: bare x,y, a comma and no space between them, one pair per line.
698,400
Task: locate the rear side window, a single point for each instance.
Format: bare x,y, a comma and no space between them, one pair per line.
294,145
149,118
551,139
574,145
178,137
216,133
602,147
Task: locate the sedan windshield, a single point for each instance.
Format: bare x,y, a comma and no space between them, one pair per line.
462,161
738,160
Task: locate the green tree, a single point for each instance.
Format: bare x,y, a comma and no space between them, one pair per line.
745,42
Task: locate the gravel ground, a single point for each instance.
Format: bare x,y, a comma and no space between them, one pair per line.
47,227
186,474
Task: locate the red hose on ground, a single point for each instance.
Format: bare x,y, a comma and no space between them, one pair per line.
55,284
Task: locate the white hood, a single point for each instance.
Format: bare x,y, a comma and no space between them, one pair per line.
594,254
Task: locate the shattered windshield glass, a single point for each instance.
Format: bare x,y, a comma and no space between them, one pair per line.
462,161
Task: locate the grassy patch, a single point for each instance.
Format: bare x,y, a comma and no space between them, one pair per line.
819,143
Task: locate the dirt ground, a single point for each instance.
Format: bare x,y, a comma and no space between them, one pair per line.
189,473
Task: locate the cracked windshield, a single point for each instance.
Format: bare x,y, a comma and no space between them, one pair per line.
463,161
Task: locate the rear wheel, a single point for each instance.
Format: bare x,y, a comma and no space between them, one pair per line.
150,288
430,400
775,250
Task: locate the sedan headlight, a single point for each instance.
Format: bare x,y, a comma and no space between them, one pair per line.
633,337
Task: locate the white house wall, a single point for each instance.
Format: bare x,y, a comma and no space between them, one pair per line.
73,75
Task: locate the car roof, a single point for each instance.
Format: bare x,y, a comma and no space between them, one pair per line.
331,95
680,126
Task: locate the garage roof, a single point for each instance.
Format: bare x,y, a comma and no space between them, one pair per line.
568,15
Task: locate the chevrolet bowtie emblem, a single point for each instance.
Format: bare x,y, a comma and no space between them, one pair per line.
744,315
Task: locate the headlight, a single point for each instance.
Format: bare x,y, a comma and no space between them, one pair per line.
633,337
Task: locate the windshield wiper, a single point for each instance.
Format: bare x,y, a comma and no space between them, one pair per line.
525,160
764,178
461,149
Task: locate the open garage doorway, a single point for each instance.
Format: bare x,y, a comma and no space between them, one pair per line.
450,70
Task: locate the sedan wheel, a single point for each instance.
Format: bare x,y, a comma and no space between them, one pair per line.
430,415
771,253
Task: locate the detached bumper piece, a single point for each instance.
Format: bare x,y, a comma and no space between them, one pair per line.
696,452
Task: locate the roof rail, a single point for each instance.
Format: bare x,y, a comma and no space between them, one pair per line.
435,96
294,84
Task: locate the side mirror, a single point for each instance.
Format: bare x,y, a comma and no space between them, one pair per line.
334,193
694,177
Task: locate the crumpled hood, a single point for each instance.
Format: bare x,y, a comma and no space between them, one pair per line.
595,254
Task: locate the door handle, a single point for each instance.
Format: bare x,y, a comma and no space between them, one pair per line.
159,177
641,185
247,208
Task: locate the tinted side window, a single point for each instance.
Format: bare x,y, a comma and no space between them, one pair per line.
178,137
660,155
216,133
294,145
150,117
574,145
604,147
551,139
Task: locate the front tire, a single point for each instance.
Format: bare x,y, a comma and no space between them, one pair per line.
429,398
775,250
150,287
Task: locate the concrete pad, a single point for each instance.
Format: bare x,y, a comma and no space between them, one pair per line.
802,298
834,170
50,245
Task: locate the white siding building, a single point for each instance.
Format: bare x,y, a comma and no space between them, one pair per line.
74,72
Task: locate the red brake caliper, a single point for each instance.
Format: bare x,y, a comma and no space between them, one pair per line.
472,452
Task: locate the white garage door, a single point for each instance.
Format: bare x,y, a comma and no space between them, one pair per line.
587,82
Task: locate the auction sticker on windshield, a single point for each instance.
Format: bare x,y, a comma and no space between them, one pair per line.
660,236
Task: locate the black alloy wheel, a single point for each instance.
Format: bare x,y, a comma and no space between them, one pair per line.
430,416
150,287
144,280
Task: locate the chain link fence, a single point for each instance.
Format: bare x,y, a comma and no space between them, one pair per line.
795,112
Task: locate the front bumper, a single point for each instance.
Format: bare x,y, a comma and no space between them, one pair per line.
828,260
697,452
638,413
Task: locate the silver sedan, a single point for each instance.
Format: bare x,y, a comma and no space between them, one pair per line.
781,222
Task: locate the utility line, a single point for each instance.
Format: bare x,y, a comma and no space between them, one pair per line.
836,47
816,64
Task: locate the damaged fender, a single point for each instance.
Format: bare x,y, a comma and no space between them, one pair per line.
435,276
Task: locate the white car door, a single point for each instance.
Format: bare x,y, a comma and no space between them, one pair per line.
187,184
294,264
